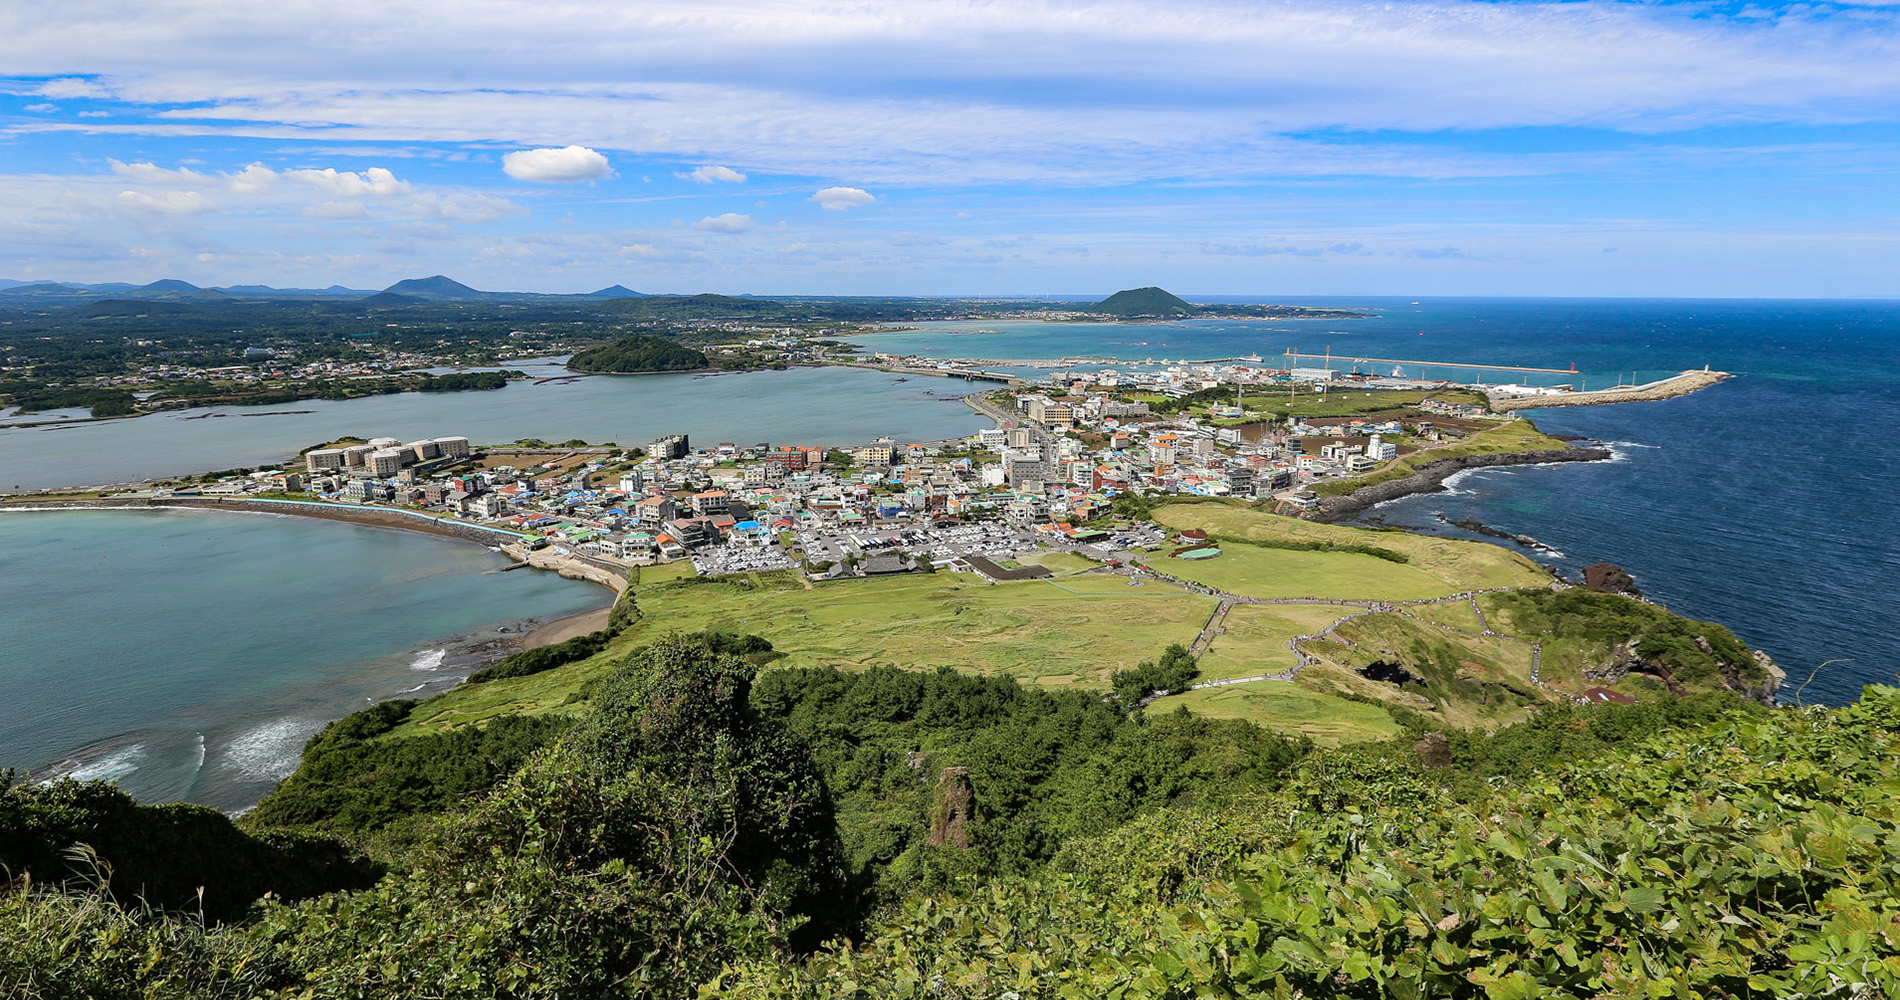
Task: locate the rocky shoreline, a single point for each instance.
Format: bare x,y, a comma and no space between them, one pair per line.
1431,477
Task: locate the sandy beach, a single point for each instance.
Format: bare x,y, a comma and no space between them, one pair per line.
563,629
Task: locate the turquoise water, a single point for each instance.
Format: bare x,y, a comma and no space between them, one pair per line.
189,654
812,406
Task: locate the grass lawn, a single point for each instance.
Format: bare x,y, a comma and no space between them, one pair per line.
1254,640
1457,614
650,575
1253,571
1077,632
1455,564
1289,707
1059,562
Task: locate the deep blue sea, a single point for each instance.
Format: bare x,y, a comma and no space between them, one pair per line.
1770,503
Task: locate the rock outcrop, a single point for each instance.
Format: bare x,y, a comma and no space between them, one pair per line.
1432,475
952,808
1610,577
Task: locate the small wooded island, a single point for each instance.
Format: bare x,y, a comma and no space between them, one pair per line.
638,355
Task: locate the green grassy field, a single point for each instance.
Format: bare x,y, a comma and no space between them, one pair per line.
649,575
1456,614
1255,638
1252,571
1060,563
1078,630
1289,707
1453,564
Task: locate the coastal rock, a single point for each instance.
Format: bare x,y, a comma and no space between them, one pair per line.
1431,477
952,807
1611,577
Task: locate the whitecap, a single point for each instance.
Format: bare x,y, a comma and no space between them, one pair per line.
428,659
109,767
272,750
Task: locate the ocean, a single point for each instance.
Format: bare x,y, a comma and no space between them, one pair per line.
188,655
1769,503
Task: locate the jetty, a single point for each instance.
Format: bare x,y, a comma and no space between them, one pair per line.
1669,388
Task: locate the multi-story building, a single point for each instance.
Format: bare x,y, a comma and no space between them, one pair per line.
667,448
385,462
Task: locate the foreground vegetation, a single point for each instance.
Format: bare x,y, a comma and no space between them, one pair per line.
704,828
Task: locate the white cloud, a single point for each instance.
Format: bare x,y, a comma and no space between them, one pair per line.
837,199
168,202
556,165
42,107
72,87
95,114
640,250
731,222
713,173
374,182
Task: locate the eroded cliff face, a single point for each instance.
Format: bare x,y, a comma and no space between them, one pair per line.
1625,660
952,808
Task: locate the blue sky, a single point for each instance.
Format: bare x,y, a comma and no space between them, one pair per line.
1019,147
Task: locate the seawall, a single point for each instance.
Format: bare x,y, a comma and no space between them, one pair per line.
1669,388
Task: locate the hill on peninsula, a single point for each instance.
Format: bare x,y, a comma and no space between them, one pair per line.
1149,301
633,355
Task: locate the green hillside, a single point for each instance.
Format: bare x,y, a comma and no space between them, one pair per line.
1143,302
638,354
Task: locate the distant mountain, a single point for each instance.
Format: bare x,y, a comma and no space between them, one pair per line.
435,288
42,290
172,290
391,299
615,292
1149,301
6,283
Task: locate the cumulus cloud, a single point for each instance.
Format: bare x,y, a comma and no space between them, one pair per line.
712,173
837,199
42,107
731,222
556,165
168,202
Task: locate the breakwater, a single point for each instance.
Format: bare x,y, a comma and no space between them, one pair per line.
1432,475
1669,388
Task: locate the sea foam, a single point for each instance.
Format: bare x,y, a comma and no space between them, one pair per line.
270,751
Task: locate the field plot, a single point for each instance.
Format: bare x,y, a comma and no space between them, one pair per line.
1255,638
1253,571
1289,707
1456,564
